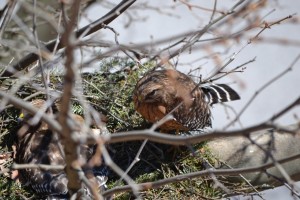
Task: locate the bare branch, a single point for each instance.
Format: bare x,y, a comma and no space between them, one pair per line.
53,124
217,172
6,15
70,146
87,30
37,166
280,75
180,140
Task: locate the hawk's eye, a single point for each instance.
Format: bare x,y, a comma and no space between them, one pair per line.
151,94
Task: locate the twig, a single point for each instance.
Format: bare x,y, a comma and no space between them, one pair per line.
280,75
274,161
52,123
197,35
135,160
266,25
6,15
108,161
190,6
294,192
89,185
37,166
26,98
216,172
245,179
222,74
40,60
214,10
87,30
187,140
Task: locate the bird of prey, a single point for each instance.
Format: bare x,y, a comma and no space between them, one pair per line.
38,144
160,92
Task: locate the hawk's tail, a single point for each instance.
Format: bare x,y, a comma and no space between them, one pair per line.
219,93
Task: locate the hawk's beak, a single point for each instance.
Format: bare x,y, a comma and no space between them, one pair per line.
162,109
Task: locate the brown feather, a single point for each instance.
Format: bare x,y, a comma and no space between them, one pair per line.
159,92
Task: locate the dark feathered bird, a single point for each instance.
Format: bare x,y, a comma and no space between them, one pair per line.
37,144
159,92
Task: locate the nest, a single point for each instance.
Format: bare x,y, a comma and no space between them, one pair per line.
109,90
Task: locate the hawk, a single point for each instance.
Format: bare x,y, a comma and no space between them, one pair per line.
163,91
37,144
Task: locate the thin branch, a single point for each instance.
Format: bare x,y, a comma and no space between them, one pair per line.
197,35
274,161
182,38
108,161
89,185
85,31
221,74
214,10
6,15
135,160
244,178
280,75
187,140
217,172
37,166
293,191
266,25
19,103
190,6
25,99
